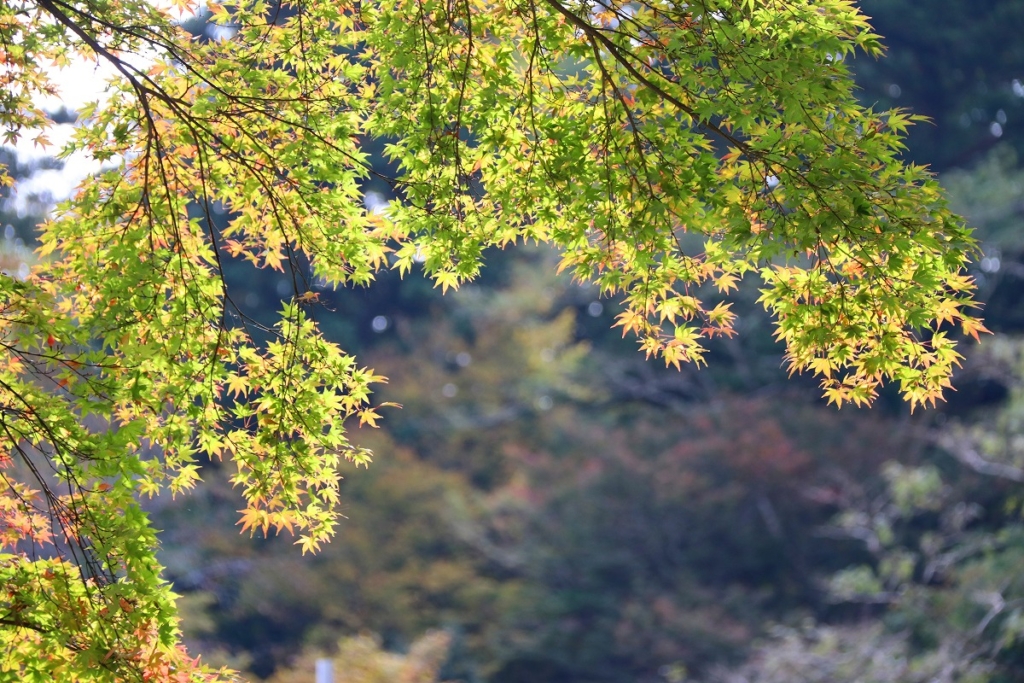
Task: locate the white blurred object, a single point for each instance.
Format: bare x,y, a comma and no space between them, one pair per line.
324,671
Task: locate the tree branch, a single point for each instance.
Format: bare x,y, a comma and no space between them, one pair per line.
963,451
615,51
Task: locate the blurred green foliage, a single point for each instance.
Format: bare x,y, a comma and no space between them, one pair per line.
566,511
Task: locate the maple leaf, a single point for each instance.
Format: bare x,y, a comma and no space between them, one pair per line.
273,259
237,385
368,417
253,518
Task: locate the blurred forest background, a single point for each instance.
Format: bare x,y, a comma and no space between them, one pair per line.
547,507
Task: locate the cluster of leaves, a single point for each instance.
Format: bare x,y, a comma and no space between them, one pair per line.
662,148
617,154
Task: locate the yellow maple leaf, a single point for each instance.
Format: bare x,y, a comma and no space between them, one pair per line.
273,259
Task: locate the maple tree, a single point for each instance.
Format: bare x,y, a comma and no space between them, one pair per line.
668,150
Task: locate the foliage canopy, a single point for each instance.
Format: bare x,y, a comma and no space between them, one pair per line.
667,149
